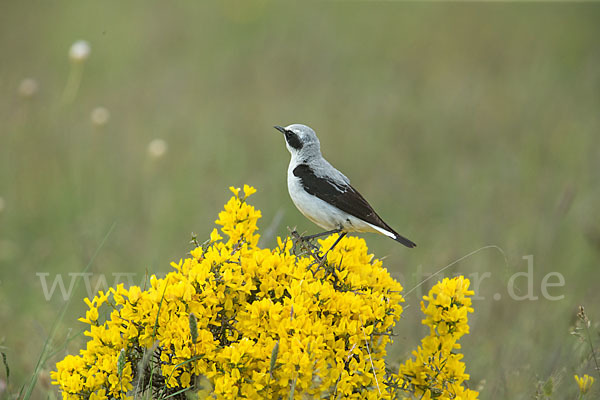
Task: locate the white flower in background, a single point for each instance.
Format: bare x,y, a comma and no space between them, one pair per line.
28,87
100,116
157,148
79,51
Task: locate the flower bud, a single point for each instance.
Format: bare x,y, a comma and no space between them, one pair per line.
157,148
28,88
100,116
79,51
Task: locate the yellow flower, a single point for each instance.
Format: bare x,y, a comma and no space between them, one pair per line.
249,191
214,236
99,395
235,191
585,383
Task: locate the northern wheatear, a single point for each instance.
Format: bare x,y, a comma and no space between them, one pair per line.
323,194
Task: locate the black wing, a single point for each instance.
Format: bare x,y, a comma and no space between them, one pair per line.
344,197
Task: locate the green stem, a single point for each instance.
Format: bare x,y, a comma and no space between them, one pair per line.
45,349
73,83
589,337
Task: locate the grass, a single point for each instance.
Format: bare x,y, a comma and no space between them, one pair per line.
466,125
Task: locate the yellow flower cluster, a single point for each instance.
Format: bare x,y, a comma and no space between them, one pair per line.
585,383
437,371
239,321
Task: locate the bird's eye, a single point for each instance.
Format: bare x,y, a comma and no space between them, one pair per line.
293,139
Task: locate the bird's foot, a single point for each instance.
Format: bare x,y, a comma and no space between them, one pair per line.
306,245
303,245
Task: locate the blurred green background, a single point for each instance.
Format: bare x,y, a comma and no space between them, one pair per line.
465,125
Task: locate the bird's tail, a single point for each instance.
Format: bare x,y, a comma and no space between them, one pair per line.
389,232
401,239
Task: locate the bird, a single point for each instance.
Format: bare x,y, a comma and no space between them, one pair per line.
323,194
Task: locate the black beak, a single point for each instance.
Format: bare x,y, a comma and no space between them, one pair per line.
279,128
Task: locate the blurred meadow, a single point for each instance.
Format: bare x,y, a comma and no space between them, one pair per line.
465,125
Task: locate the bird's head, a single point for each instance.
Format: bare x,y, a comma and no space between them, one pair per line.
300,139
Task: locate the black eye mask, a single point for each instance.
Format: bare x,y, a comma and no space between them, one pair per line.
293,140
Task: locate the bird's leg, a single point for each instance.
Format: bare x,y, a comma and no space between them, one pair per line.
311,237
305,246
308,238
342,234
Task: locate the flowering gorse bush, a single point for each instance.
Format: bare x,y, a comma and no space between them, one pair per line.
437,371
237,321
